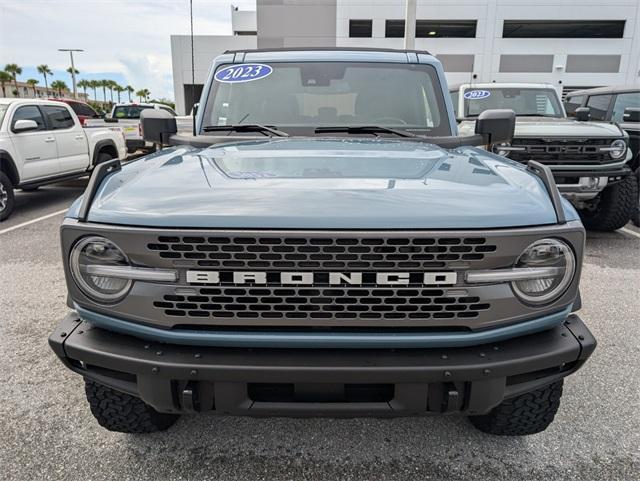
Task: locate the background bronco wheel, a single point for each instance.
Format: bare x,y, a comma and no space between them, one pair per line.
529,413
6,196
124,413
615,208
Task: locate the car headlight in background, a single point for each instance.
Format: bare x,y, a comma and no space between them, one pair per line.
557,259
617,149
97,252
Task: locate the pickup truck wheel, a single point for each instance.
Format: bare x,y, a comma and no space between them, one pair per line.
6,196
117,411
615,208
529,413
103,157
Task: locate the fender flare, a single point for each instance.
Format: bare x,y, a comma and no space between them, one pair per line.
8,166
100,145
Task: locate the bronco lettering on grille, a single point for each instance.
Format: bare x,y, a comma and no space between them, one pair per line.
323,278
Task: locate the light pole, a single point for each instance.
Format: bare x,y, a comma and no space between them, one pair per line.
410,25
73,67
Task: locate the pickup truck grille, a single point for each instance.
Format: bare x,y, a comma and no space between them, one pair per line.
561,151
305,303
323,253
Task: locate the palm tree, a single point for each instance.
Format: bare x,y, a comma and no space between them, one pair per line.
119,89
32,83
129,90
111,85
140,94
84,84
60,86
94,84
4,78
14,70
104,84
45,70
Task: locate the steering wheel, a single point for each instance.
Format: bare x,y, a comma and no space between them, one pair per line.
393,119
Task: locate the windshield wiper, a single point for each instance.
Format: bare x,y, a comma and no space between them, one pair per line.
263,129
366,129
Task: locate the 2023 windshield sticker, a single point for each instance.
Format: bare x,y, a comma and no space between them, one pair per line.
246,72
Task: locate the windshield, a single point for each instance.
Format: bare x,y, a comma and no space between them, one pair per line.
298,97
129,111
523,101
3,109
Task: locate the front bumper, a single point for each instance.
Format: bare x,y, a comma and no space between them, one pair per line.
311,382
587,184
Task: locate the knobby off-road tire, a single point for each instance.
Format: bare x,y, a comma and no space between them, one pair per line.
529,413
615,208
635,218
117,411
7,199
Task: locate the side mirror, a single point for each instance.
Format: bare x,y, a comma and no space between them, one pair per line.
631,114
157,125
496,125
24,126
583,114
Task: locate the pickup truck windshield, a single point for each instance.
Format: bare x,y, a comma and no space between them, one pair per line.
299,97
523,101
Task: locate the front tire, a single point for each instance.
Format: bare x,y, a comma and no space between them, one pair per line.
615,207
528,413
7,196
635,218
123,413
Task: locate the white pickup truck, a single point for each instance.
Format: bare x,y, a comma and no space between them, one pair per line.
127,116
42,142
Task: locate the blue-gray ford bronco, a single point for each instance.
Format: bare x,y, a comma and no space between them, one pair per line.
323,244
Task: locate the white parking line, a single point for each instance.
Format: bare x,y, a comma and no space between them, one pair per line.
630,232
33,221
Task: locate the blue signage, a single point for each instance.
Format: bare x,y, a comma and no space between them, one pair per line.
245,72
476,94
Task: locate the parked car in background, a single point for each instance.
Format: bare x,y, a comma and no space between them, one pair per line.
43,141
610,104
591,161
127,116
83,110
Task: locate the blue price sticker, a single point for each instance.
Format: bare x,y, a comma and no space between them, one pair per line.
246,72
477,94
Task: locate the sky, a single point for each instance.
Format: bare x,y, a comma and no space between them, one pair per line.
123,40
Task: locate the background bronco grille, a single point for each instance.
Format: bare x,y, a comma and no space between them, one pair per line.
322,253
321,303
557,151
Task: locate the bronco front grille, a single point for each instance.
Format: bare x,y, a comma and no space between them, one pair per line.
561,151
306,303
322,253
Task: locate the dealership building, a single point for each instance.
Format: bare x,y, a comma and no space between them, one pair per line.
572,44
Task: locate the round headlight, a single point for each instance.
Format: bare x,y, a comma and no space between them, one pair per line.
499,150
98,251
545,253
618,148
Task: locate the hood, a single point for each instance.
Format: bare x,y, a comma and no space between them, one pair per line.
550,127
320,183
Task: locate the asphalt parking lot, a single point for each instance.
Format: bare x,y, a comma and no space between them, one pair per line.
47,432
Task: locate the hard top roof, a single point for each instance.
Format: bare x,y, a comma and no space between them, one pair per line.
614,89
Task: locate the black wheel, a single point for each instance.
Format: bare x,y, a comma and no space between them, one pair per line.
6,196
615,206
103,157
529,413
635,218
117,411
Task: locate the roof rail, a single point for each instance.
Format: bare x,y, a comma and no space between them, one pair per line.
325,49
545,174
100,171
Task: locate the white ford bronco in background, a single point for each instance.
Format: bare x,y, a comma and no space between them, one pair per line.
127,116
42,142
590,160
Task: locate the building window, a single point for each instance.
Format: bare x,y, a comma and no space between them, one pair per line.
446,28
563,29
394,29
360,28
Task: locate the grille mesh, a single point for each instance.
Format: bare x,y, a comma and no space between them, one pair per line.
322,253
321,303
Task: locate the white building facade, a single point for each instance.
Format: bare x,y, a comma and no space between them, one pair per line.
568,43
